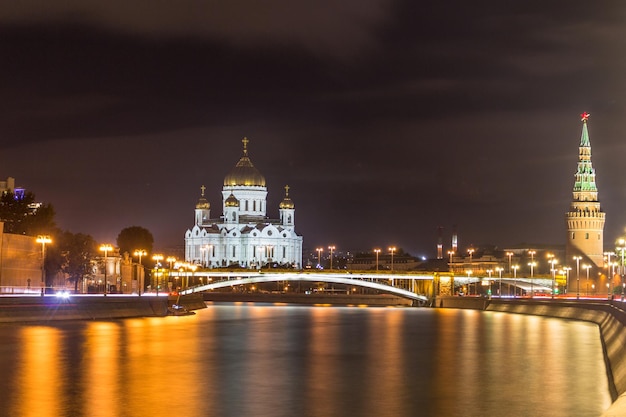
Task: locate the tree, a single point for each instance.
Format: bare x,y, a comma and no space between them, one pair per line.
72,255
133,238
22,215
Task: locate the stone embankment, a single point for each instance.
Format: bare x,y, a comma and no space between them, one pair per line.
89,307
610,316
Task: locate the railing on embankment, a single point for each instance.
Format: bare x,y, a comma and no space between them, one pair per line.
610,316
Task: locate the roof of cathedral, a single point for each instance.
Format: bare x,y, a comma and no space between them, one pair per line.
231,201
287,203
244,173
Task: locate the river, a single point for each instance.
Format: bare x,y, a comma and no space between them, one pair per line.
259,360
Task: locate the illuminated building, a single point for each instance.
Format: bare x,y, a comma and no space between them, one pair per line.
243,235
585,219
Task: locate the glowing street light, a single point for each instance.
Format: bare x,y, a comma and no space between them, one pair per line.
566,269
469,274
621,246
43,239
392,250
499,270
450,253
106,248
532,268
510,255
552,262
578,259
319,257
515,268
376,251
157,258
331,249
139,253
471,253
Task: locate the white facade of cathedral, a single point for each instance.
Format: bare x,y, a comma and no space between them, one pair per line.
243,235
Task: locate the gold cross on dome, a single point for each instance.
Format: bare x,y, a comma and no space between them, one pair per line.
286,190
202,189
245,142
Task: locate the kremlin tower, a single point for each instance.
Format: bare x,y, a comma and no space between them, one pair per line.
585,219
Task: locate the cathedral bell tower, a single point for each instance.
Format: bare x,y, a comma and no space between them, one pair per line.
585,219
203,209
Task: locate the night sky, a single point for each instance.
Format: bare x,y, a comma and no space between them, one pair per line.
386,118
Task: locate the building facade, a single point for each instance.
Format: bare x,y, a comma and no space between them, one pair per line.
585,219
243,235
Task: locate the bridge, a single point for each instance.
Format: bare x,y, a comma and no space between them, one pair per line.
386,283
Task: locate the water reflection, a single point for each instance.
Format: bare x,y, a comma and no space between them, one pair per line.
264,360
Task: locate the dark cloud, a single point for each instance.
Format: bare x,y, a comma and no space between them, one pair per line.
387,118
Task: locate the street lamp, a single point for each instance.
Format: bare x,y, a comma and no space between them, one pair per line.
553,262
469,274
510,255
376,251
170,260
471,253
43,239
319,257
566,269
532,287
392,250
157,258
578,259
585,266
499,269
106,248
331,249
515,268
139,253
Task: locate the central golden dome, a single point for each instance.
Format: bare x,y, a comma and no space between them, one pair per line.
244,173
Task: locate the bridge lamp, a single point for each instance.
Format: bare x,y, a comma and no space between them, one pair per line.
392,251
331,249
499,270
157,258
140,273
510,255
44,240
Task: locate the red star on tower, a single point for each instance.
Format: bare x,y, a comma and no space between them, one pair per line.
584,116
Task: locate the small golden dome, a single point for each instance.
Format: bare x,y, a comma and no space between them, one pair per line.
231,201
203,204
287,203
244,173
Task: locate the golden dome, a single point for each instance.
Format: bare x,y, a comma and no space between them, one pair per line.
287,203
244,173
202,202
231,201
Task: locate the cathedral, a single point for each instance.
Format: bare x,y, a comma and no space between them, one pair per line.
243,235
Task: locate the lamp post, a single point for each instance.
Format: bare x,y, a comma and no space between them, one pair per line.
319,257
392,250
499,269
157,258
578,259
170,260
106,248
471,253
566,269
331,249
585,266
553,262
515,268
489,272
510,255
139,253
43,239
376,251
469,274
532,287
